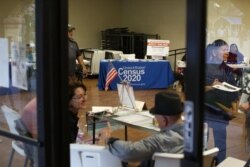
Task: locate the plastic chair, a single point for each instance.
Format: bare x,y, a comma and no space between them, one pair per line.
173,160
84,155
10,116
232,162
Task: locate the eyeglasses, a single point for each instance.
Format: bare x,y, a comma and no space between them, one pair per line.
78,97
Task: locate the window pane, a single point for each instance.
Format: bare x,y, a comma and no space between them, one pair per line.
18,74
227,60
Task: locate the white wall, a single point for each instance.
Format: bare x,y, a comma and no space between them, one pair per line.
164,17
90,17
229,20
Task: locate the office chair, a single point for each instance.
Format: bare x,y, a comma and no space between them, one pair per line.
84,155
10,116
173,160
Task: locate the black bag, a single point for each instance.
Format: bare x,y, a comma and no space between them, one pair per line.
217,112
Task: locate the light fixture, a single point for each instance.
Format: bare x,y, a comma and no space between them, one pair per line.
216,5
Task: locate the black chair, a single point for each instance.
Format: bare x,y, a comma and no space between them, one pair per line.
87,58
109,55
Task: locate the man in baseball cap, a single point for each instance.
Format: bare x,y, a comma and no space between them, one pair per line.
70,28
74,54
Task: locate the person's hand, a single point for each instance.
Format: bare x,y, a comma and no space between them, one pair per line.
217,82
84,69
244,106
104,134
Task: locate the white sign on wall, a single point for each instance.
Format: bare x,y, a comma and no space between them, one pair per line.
156,47
4,63
18,66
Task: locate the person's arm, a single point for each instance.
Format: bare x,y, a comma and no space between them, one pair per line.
210,79
210,87
131,151
79,57
80,61
29,117
126,150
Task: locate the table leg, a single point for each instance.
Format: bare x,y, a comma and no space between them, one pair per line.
126,132
94,119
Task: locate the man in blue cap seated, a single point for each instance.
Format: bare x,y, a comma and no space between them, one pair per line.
167,112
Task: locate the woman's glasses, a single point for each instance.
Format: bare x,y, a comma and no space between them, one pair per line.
78,97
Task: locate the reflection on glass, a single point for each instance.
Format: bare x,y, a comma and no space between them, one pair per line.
18,72
227,71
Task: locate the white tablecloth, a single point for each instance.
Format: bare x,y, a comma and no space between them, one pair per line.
95,61
97,57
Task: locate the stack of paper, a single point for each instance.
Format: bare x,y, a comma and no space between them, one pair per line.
99,109
226,87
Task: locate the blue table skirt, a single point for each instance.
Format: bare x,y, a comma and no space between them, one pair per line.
141,74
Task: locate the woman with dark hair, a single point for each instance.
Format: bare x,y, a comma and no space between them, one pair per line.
78,97
219,103
234,49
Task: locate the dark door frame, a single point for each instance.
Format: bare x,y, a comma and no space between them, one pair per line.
52,65
194,78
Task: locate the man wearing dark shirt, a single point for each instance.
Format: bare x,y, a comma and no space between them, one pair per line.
74,54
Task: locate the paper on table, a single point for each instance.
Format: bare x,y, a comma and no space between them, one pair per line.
138,119
146,114
98,109
227,87
126,95
139,105
123,111
243,65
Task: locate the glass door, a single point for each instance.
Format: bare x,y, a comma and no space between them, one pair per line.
33,53
18,90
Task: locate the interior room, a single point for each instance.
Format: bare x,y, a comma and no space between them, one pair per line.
161,19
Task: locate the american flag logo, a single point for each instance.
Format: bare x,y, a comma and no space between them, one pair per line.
111,75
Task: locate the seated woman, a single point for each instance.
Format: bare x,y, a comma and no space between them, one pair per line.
78,97
234,49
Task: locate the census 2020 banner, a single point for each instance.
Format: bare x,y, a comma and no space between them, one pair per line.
132,73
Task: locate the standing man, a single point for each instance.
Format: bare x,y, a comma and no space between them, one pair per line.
220,105
74,53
